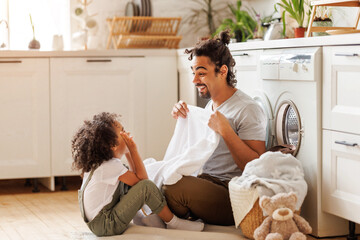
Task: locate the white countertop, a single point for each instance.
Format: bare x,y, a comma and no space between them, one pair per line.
88,53
331,40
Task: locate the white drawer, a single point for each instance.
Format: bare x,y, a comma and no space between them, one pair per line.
340,175
246,58
341,88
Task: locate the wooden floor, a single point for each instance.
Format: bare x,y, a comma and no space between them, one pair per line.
44,215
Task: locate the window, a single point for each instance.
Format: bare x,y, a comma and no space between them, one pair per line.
4,37
49,17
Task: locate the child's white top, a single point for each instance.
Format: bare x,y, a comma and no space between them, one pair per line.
101,187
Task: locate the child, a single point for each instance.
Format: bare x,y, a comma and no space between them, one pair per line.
111,194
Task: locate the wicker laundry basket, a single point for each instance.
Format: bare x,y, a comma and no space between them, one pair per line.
253,220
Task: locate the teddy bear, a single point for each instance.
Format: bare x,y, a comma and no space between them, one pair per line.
282,223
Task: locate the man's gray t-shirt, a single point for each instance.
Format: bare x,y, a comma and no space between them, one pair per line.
248,120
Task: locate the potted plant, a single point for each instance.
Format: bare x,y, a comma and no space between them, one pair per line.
296,10
322,19
206,13
242,25
34,44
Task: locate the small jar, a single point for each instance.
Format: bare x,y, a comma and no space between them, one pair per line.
321,24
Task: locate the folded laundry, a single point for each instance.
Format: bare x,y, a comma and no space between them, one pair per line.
272,173
191,146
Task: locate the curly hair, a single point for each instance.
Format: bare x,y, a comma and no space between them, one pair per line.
218,52
92,143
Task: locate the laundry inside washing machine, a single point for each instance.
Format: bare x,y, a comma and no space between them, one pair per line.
288,125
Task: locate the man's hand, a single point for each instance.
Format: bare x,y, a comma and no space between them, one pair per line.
219,123
180,109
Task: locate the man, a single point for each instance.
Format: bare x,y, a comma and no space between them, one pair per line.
241,124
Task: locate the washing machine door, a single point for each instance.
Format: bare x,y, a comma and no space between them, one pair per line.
263,101
288,128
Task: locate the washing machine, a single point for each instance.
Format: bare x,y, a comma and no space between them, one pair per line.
291,89
249,82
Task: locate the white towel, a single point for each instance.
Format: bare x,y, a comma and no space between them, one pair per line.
242,201
272,173
191,146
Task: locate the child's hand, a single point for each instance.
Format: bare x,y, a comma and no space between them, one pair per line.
129,141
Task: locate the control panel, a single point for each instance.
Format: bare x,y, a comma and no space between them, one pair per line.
290,64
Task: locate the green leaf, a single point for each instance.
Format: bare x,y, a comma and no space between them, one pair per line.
284,24
238,4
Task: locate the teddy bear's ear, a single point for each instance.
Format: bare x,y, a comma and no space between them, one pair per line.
264,200
293,196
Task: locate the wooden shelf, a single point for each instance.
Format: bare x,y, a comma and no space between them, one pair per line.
143,32
332,3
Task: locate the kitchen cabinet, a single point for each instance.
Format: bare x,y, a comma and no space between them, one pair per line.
25,118
246,69
341,74
83,87
187,90
341,140
44,100
341,167
130,86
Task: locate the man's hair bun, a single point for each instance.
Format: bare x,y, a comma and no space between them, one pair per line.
225,37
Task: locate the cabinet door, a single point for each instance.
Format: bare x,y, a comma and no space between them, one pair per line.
162,94
187,90
24,122
340,175
81,88
341,84
247,75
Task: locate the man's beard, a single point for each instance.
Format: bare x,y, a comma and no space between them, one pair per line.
206,95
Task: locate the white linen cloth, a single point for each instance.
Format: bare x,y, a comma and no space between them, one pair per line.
272,173
190,147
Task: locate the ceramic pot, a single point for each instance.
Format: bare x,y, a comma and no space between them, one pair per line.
321,24
299,32
34,44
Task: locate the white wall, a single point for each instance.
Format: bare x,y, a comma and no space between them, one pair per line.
161,8
181,8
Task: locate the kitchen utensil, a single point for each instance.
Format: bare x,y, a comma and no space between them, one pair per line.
274,31
150,7
141,5
131,10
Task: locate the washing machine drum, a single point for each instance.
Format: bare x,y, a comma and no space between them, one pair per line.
288,127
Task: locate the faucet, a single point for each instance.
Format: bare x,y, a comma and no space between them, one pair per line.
3,44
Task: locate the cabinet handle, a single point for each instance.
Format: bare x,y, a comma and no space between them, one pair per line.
11,61
241,54
346,54
98,60
346,143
